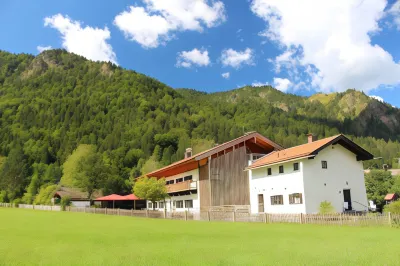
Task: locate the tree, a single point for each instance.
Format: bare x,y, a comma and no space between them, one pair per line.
151,189
378,183
396,185
14,174
91,174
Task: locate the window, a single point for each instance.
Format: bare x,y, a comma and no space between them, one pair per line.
324,164
179,204
161,205
188,203
186,178
179,180
281,169
296,167
277,200
170,182
269,171
155,205
150,205
296,198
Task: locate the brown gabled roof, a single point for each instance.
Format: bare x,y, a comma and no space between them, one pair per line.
205,154
310,150
75,193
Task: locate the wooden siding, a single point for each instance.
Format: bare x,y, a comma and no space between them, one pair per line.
229,181
204,187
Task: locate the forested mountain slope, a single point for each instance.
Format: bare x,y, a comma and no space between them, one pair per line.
52,103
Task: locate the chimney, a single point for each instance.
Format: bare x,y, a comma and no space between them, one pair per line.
311,137
188,153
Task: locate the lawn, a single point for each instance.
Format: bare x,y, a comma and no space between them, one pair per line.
29,237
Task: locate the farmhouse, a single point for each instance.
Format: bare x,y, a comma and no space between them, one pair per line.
78,197
255,173
298,179
215,177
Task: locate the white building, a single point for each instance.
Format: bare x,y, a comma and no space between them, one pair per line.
298,179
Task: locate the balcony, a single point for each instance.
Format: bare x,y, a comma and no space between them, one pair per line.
182,186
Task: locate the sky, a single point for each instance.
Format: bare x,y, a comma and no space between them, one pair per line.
300,47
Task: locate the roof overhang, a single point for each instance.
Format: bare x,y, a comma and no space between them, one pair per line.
280,162
201,158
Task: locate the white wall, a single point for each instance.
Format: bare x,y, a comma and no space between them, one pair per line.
328,184
80,203
276,184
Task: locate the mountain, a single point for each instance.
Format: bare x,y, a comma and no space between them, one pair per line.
53,104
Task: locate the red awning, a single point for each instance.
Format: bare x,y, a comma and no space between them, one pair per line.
130,197
115,197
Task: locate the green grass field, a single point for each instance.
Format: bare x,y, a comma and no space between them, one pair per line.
29,237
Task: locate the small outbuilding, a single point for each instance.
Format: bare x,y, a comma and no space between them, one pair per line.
389,198
78,198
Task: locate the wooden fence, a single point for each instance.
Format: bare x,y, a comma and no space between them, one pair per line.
386,219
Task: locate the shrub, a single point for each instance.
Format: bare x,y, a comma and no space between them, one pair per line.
326,207
65,201
16,202
393,207
45,195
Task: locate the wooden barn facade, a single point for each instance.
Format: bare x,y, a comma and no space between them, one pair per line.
215,177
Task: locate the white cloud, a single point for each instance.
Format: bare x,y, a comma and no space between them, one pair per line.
378,98
259,84
156,22
86,41
394,11
194,57
226,75
43,48
282,84
329,42
236,59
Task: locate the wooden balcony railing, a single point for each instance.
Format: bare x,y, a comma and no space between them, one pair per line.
182,186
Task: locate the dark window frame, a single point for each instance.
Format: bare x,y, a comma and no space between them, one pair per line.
276,200
187,178
324,164
281,169
294,196
191,203
269,171
179,180
179,203
296,166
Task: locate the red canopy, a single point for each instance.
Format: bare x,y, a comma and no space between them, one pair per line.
130,197
115,197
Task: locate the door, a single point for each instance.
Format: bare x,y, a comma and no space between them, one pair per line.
347,199
260,203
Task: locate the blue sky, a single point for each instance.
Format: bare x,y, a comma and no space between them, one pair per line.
299,47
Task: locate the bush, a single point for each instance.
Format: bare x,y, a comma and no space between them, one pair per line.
393,207
326,207
45,195
16,202
65,201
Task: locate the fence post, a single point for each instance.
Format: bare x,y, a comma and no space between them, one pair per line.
186,215
390,219
147,213
301,218
234,216
84,209
341,219
208,216
118,211
132,212
165,213
105,210
265,217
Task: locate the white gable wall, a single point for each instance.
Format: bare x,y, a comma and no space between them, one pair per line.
276,184
342,167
